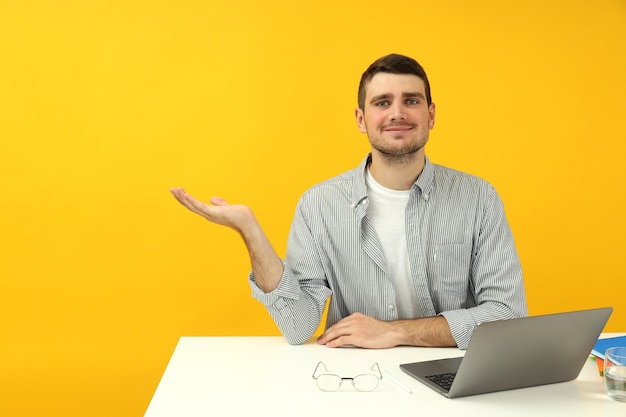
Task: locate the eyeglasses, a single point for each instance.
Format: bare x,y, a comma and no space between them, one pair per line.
331,382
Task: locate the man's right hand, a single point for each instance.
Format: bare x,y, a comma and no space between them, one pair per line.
266,265
235,216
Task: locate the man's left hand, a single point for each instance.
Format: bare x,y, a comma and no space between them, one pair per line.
361,331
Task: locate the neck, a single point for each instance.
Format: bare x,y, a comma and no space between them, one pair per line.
397,173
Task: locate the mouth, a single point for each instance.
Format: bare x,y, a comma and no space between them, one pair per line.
398,128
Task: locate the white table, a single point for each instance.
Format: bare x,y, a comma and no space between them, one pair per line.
263,376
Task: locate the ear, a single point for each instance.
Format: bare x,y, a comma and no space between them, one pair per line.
360,120
431,116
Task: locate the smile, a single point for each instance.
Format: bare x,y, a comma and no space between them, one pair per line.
404,128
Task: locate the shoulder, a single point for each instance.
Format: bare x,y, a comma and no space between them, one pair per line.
451,178
340,186
348,186
451,186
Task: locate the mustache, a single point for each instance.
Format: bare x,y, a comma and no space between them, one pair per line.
387,126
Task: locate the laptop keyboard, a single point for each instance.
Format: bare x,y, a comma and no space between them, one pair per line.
443,380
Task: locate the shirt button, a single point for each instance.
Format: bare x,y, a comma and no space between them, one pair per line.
390,307
364,201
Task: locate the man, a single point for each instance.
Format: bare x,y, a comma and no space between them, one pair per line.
411,253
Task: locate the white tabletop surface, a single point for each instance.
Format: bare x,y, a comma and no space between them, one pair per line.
263,376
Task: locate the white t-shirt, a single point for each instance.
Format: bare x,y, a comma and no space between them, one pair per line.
386,212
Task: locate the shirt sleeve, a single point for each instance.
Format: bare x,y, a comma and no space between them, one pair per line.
297,304
496,280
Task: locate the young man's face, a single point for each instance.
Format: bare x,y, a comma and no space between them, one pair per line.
396,115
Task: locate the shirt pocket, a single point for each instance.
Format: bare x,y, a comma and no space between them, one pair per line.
450,275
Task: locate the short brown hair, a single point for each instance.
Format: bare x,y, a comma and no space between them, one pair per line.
393,64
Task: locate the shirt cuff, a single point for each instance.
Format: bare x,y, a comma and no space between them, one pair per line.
288,287
462,326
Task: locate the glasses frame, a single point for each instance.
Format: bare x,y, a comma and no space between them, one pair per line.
325,371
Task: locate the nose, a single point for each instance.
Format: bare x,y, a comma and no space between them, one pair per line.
396,112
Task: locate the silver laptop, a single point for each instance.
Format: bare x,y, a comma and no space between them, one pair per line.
516,353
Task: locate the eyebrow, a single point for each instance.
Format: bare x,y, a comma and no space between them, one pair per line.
404,95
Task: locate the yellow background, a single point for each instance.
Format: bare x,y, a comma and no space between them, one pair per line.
106,104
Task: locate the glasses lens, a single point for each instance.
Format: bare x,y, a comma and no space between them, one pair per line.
327,382
365,382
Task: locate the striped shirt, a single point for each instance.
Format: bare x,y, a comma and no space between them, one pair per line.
462,256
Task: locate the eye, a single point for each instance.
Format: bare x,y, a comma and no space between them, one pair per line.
412,102
383,103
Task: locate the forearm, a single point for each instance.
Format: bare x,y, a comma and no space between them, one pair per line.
267,266
364,331
428,331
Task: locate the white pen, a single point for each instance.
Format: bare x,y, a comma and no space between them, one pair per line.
396,381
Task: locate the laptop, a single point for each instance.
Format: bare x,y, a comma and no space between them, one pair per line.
516,353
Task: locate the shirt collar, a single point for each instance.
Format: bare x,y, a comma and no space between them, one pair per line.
423,185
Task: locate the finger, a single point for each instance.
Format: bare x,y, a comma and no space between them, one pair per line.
197,205
340,341
189,202
180,197
218,201
335,331
177,192
324,337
